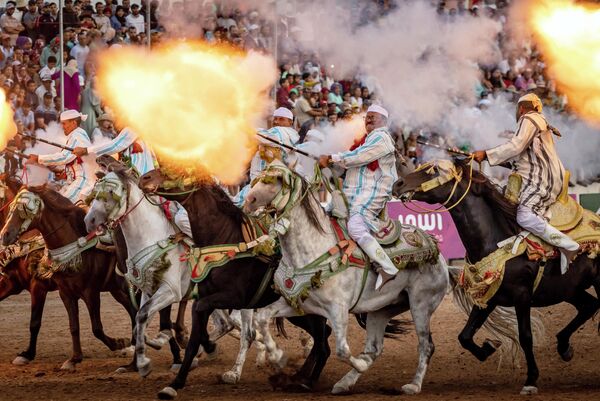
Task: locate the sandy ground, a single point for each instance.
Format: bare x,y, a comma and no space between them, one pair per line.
453,375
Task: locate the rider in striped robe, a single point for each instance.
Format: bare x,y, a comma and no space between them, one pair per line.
370,175
534,158
78,184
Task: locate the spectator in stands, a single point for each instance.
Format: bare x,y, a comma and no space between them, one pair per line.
6,50
49,68
72,87
30,18
135,19
30,96
25,116
70,18
51,50
80,52
46,87
9,24
45,112
46,24
118,20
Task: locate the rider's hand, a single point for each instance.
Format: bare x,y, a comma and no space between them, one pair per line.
479,155
32,159
78,151
324,161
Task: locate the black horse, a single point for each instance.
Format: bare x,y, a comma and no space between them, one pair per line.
483,218
216,220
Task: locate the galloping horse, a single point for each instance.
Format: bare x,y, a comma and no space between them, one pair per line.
61,223
238,284
483,218
307,240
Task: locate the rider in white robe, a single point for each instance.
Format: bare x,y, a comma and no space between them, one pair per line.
78,185
282,132
535,159
128,145
370,175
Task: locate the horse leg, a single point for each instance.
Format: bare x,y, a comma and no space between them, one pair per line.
337,313
121,295
181,333
222,323
376,324
247,336
165,330
92,301
162,298
263,318
38,300
523,310
199,336
73,311
586,305
477,318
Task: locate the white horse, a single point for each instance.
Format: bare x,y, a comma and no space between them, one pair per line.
306,234
154,257
155,264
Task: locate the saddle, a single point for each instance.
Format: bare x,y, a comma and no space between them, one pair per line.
390,231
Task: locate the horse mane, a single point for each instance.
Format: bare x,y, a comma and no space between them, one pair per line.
483,187
58,203
309,207
223,202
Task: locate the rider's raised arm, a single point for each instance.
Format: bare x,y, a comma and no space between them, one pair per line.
517,145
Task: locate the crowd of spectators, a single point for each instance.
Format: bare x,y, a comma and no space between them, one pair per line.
30,55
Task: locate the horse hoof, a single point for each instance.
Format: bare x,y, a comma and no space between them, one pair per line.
529,390
167,393
211,356
230,377
127,351
339,389
411,389
159,341
177,366
144,370
568,354
20,361
68,366
360,364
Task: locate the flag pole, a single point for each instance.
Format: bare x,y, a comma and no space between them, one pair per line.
61,28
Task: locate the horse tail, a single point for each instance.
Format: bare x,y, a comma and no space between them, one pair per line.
280,325
502,323
394,328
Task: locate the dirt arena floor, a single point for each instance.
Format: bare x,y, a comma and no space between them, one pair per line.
453,375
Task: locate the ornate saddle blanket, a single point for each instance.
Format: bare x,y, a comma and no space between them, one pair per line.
482,280
25,247
258,244
411,248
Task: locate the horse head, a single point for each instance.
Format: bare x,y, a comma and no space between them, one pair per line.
25,208
108,199
272,189
432,182
152,181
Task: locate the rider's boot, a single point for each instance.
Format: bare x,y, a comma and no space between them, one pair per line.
568,248
387,269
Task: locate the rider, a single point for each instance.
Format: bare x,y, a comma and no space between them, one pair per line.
78,185
535,159
370,174
141,158
282,132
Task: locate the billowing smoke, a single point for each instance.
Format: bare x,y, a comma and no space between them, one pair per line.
421,65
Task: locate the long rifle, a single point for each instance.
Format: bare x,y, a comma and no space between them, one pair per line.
58,145
283,145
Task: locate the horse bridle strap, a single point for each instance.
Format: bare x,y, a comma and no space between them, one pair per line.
28,205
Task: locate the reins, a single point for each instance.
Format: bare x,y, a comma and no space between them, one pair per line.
452,192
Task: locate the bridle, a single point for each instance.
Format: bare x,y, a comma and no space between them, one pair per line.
447,172
28,207
111,187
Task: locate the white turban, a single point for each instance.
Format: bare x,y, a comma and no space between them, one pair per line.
534,99
378,109
315,136
71,115
283,112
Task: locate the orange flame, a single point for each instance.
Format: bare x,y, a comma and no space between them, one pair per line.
193,104
569,35
8,129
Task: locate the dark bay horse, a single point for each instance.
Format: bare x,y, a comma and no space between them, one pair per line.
216,220
61,223
18,276
483,218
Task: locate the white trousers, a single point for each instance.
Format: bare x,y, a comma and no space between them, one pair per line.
537,225
357,228
182,220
